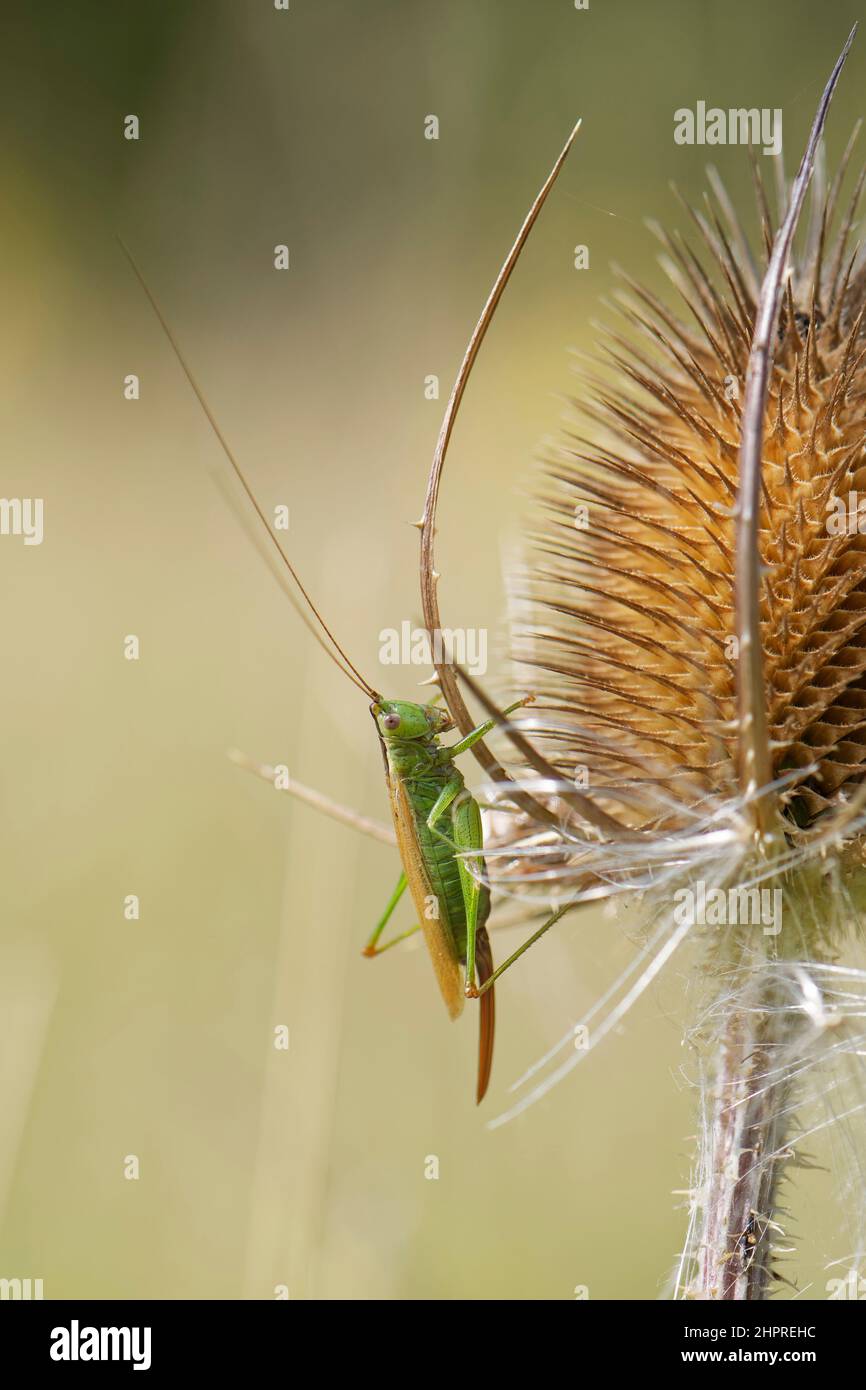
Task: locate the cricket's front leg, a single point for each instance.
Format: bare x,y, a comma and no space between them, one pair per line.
487,727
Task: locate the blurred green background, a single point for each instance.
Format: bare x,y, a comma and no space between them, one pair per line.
154,1037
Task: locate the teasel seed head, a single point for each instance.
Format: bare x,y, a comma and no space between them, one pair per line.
631,629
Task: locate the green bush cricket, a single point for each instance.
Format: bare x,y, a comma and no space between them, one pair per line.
452,903
443,871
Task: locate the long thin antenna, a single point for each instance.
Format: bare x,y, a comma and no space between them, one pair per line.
349,669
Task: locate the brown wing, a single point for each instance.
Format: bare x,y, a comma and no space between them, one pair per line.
487,1020
448,971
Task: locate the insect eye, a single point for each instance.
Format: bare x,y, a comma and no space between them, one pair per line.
391,721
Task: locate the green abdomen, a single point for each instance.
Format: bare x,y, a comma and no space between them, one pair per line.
440,861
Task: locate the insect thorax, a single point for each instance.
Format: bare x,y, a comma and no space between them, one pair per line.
419,761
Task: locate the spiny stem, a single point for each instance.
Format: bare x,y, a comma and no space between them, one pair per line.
747,1121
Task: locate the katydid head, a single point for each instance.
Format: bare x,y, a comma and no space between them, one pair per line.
397,720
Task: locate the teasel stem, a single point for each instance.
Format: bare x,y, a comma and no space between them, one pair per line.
747,1153
748,1104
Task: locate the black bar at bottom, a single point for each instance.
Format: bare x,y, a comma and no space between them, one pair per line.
156,1338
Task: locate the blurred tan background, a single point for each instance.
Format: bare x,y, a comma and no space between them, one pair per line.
154,1037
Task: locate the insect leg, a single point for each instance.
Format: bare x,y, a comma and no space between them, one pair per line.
468,835
530,941
371,949
452,789
465,743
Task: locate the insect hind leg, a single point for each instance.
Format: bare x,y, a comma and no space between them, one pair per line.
469,835
372,949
